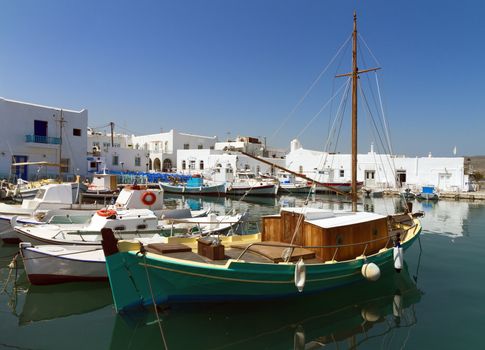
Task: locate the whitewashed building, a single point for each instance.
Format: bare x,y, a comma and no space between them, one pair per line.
114,153
32,133
251,145
380,170
162,147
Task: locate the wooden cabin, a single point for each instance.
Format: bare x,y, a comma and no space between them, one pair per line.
346,235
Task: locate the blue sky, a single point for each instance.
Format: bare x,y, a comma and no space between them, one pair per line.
223,66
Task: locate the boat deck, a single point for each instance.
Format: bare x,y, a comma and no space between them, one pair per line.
258,254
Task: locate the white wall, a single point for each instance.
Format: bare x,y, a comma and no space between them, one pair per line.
18,121
444,173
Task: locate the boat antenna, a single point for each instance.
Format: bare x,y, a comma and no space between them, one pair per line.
355,76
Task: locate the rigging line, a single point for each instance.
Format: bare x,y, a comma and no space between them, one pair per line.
338,117
317,79
385,121
322,109
371,88
391,164
344,54
368,48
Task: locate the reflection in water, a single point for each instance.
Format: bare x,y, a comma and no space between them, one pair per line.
359,314
50,302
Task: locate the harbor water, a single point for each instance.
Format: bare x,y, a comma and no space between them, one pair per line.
436,302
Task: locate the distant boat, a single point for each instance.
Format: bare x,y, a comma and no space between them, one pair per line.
408,194
289,184
345,187
428,193
195,186
247,183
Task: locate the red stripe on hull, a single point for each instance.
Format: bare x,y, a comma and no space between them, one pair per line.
42,279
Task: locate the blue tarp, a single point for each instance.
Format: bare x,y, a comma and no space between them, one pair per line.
428,189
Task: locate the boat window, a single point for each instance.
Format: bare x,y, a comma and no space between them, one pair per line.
342,173
119,228
141,227
339,239
40,193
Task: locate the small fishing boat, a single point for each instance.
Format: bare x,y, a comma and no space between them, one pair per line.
289,184
195,186
103,185
51,264
328,250
428,193
247,183
407,194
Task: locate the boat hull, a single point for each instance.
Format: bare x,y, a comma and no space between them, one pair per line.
57,264
340,186
174,280
215,190
258,190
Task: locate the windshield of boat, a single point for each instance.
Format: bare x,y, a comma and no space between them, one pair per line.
40,193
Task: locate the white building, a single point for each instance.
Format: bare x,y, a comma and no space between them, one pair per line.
114,153
32,133
162,148
251,145
205,161
380,170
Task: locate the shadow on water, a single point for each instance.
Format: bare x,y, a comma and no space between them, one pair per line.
358,314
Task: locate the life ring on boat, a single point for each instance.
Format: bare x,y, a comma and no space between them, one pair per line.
106,212
148,198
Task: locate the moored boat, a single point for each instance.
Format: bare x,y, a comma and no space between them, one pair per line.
195,186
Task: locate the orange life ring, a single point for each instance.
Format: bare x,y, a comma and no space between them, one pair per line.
106,212
148,198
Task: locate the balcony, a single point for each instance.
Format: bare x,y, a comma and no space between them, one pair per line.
43,139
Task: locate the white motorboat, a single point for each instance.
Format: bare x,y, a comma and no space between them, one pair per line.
247,183
127,224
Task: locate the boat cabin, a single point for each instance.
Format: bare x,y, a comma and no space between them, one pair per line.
50,194
336,235
103,183
139,197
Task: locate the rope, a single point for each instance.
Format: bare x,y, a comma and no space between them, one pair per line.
153,298
309,89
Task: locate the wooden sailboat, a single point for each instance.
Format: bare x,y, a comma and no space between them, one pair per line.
301,251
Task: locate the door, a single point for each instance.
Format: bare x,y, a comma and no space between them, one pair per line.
370,178
20,171
40,131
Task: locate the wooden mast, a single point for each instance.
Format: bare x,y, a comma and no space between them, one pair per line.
355,78
354,115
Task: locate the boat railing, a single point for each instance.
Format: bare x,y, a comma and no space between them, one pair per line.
287,256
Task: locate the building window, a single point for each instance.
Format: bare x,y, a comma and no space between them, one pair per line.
200,146
115,160
211,147
201,165
65,165
342,173
300,169
192,165
183,165
137,161
106,144
76,132
186,146
92,165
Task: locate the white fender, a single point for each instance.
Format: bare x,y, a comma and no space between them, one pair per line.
370,315
300,275
13,221
398,258
397,305
371,272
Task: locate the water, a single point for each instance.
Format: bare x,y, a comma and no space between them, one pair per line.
436,302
